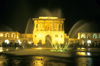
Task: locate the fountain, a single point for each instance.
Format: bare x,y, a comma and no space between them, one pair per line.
82,26
29,29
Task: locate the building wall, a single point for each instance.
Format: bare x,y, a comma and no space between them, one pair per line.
41,35
88,38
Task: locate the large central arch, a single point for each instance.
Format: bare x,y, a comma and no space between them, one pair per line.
48,40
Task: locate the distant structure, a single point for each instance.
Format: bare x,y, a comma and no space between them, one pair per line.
48,31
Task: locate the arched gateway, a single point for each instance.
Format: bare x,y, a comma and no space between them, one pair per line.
48,40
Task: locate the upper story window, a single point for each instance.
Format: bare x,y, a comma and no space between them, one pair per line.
88,35
7,35
83,35
13,35
94,35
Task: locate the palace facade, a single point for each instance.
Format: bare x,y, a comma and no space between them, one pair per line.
48,31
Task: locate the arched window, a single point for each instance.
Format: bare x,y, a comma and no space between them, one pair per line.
94,35
7,35
83,35
56,35
88,35
13,35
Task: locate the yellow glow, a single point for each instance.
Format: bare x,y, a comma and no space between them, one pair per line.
39,48
81,53
36,44
1,49
7,49
1,34
17,37
48,17
82,48
78,48
78,38
39,35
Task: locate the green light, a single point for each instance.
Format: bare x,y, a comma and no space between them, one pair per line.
60,50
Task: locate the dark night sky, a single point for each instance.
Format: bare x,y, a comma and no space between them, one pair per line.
16,13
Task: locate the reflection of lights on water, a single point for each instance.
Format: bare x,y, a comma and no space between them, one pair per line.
88,53
38,61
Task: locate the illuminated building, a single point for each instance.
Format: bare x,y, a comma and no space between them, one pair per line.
49,31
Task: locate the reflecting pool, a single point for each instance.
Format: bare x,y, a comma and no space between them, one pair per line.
30,60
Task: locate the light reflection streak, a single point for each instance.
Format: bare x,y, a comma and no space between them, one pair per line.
39,61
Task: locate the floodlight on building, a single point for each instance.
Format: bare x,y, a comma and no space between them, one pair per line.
7,41
39,48
82,48
30,42
39,35
1,35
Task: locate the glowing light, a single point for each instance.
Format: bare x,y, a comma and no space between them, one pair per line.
36,44
34,30
82,48
88,53
89,41
19,41
17,37
1,49
1,35
48,17
78,48
30,42
7,49
39,35
39,48
60,50
51,50
81,53
7,41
